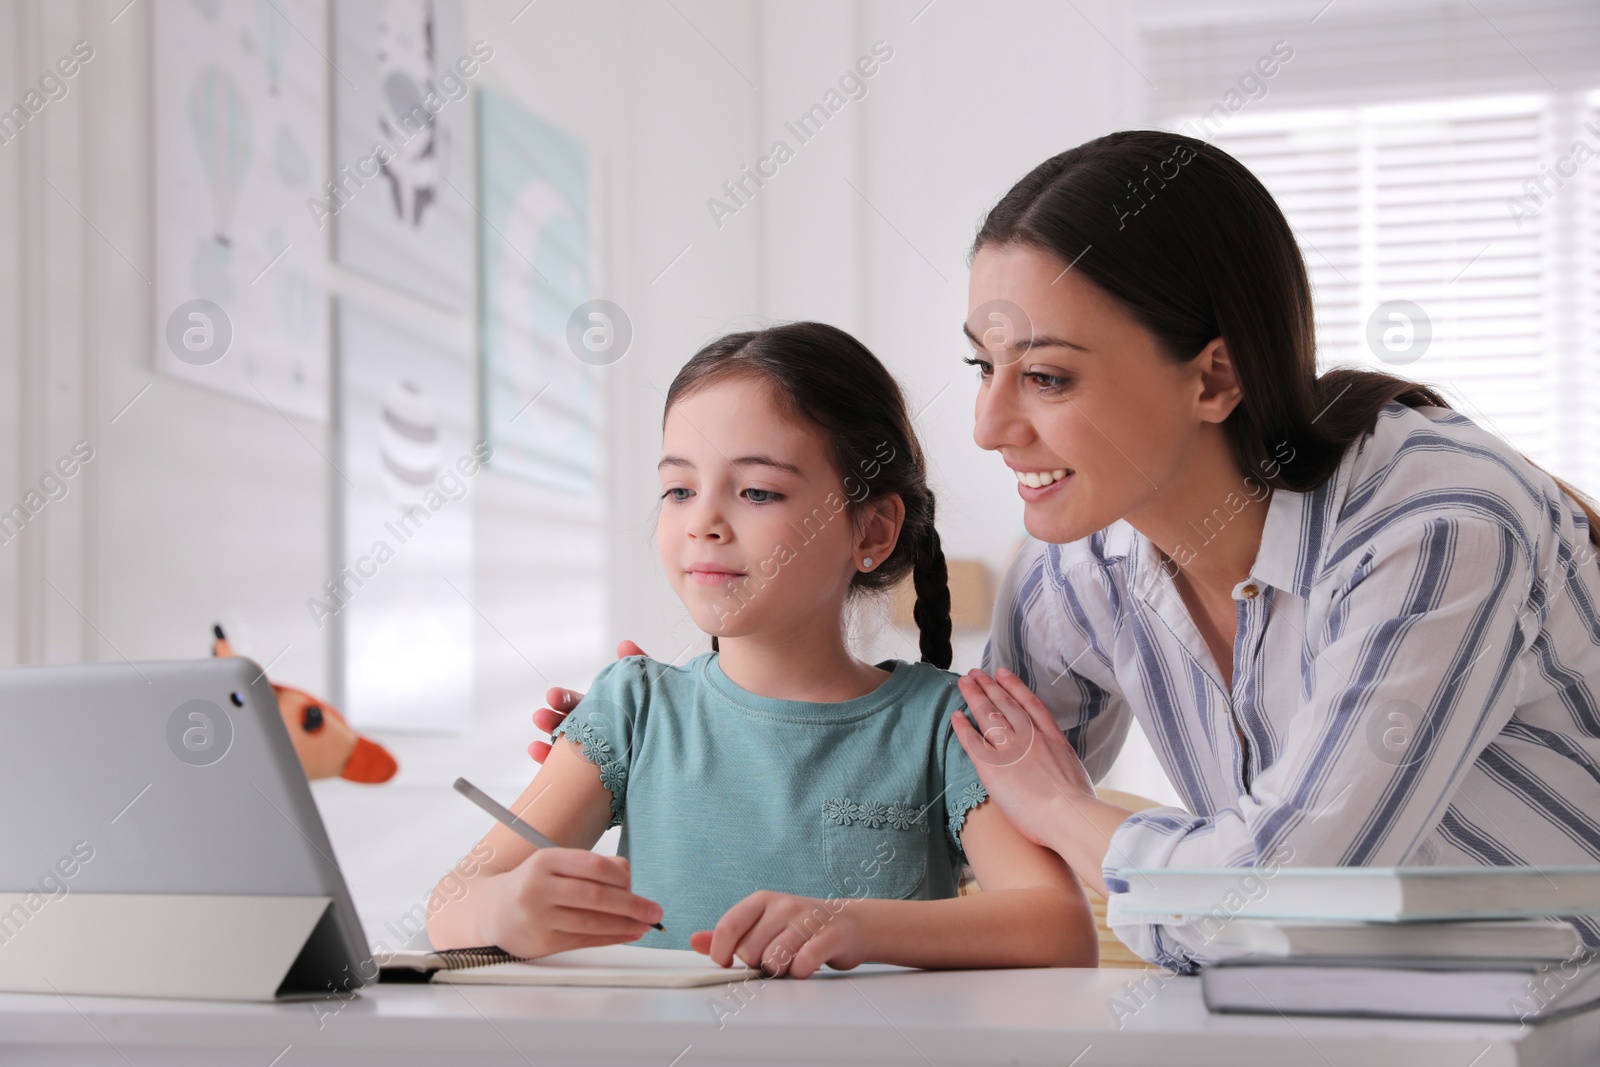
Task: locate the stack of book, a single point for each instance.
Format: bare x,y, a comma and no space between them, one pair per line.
1413,942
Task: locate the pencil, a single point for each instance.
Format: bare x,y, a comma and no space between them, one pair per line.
510,821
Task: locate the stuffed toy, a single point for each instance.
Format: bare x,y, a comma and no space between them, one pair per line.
325,743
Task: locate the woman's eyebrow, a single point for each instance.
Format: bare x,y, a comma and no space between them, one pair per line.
742,461
1038,340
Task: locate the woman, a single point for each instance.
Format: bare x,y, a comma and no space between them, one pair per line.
1357,628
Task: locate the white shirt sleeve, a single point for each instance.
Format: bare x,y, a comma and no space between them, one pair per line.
1416,675
1045,621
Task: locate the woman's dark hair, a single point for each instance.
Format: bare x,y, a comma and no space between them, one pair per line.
1192,244
822,376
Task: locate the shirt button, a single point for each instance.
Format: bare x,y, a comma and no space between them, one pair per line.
1250,592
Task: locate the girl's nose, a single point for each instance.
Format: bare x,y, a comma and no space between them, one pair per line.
707,524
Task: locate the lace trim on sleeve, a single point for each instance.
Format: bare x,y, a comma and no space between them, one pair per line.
598,751
958,806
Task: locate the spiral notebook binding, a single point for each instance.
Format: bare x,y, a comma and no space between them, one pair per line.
456,959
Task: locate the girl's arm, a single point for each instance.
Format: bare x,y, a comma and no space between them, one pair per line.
532,902
1032,912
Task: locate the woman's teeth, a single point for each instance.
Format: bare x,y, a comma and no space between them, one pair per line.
1039,479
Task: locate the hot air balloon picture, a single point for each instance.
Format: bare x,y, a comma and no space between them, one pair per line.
220,123
239,116
274,35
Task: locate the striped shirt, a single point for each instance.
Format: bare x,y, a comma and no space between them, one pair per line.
1415,673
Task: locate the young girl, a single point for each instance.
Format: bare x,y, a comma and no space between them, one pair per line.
780,800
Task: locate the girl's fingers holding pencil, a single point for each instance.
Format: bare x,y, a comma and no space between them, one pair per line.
582,894
597,883
598,923
563,942
578,863
558,894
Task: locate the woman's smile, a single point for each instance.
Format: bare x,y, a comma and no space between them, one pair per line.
1034,483
1031,492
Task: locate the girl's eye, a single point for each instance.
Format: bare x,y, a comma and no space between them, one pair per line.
984,368
768,493
676,489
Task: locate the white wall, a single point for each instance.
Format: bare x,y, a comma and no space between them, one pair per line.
199,507
974,97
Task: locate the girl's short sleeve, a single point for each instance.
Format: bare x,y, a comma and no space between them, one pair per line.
602,725
963,790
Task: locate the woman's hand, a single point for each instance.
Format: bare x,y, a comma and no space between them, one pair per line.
561,702
1029,769
1021,755
563,898
785,934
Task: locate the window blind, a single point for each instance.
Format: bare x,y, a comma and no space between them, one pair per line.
1417,265
1441,241
1587,294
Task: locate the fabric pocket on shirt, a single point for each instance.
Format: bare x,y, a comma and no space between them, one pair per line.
874,849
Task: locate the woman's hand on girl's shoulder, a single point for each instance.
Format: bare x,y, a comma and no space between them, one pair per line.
561,702
785,934
1022,758
565,898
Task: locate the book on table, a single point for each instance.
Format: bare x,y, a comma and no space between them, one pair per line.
1473,939
1484,990
1479,943
1371,894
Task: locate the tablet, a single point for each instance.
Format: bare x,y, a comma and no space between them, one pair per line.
167,778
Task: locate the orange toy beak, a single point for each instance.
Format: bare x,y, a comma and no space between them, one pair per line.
325,743
370,762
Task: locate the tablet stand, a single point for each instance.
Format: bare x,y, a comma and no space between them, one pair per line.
171,945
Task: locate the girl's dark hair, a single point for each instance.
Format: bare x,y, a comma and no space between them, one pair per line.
1192,244
822,376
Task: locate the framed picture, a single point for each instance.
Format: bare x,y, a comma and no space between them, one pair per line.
402,593
401,207
241,128
539,396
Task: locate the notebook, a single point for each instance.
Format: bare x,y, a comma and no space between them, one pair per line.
608,965
1366,894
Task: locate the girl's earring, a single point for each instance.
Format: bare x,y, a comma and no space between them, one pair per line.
867,563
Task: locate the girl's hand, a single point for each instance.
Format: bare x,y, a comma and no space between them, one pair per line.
785,934
562,898
562,701
1021,755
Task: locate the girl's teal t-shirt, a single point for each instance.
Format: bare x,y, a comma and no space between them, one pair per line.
721,792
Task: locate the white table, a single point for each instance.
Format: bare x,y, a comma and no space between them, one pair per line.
1057,1017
